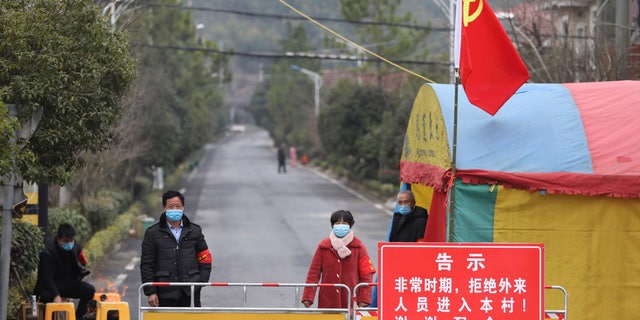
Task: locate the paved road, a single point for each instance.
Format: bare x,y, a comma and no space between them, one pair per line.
262,227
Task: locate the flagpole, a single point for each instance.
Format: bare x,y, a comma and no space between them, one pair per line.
452,195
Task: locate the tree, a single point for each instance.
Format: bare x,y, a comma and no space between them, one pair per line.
358,112
174,108
288,97
62,56
571,42
183,111
389,41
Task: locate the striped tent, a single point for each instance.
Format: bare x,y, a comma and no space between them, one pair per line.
559,164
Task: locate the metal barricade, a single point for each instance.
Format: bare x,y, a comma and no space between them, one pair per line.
363,313
372,313
558,314
193,311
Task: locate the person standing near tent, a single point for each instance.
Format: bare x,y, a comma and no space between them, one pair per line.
340,258
409,221
407,225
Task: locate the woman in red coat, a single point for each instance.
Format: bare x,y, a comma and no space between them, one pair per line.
340,258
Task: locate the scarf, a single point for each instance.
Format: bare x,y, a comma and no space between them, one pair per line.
340,244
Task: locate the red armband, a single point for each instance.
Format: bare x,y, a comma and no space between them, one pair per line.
82,258
365,266
204,256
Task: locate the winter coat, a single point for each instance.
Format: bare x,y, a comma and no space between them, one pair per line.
57,265
410,229
166,260
328,267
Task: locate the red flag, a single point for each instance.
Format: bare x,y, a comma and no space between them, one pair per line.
491,70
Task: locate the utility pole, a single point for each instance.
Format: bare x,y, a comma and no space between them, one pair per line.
623,27
11,182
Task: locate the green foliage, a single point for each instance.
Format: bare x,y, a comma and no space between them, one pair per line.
8,126
391,42
58,216
63,57
184,112
14,305
284,105
104,240
102,209
372,127
20,294
26,245
356,111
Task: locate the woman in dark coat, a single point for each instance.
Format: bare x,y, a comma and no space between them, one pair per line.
340,258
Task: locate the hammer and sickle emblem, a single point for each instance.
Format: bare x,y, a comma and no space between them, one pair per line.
466,17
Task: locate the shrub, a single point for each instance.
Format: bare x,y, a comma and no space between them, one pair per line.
25,251
58,216
100,211
389,189
104,240
24,255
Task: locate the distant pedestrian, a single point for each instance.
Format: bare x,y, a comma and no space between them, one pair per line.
174,250
282,167
293,154
340,258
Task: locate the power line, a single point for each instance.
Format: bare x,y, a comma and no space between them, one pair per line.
356,22
289,17
287,55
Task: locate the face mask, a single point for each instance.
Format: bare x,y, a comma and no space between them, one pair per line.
404,210
341,230
67,246
174,215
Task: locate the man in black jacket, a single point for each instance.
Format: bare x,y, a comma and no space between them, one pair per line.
61,269
409,221
174,250
408,225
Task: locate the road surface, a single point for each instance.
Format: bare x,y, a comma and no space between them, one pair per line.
261,226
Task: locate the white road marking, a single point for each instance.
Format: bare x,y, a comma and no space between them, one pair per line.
192,174
119,280
132,263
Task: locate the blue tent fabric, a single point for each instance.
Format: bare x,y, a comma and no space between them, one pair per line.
552,139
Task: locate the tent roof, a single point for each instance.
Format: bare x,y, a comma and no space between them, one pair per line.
581,132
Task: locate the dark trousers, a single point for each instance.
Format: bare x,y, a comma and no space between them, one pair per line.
183,301
76,289
281,166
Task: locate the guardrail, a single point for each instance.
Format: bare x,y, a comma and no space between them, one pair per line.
349,313
359,313
244,309
558,314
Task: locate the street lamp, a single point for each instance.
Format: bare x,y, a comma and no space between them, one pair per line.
317,83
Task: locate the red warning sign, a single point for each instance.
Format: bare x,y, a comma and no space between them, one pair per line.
461,281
